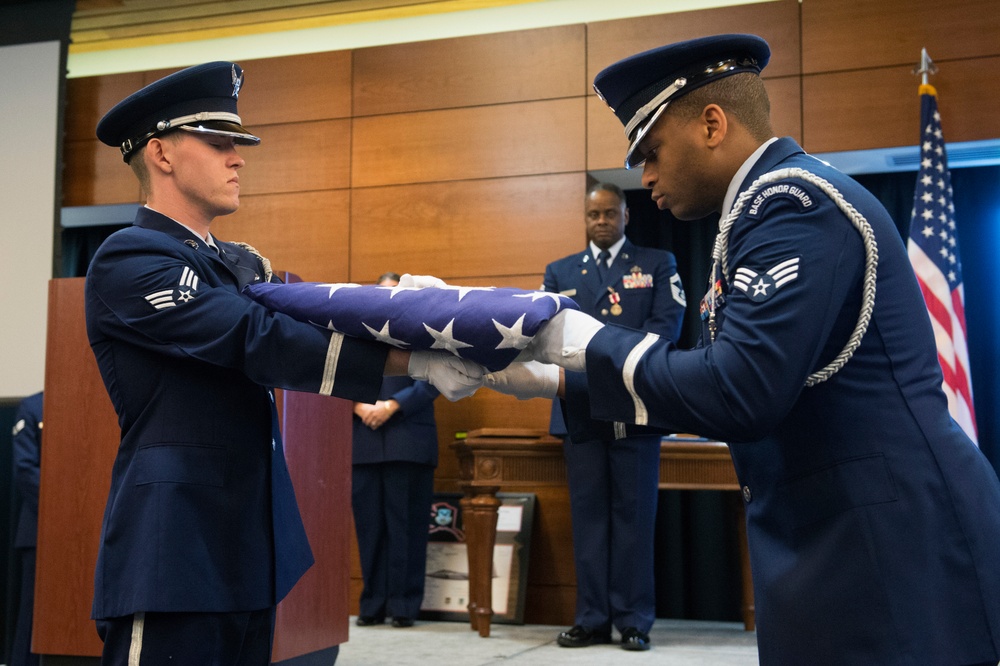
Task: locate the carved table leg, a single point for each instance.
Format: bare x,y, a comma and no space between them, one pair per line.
479,514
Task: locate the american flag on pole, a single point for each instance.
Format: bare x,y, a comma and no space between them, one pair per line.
488,325
933,250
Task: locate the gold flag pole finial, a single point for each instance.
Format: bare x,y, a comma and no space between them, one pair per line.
926,67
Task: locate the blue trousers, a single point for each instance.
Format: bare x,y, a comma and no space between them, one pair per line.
613,488
392,504
206,639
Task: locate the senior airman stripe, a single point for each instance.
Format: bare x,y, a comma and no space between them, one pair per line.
628,376
189,278
162,299
332,358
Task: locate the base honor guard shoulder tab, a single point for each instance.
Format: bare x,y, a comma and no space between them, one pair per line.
799,193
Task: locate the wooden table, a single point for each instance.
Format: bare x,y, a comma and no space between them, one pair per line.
491,458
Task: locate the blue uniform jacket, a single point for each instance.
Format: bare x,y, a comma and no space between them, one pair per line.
873,522
410,435
201,516
651,299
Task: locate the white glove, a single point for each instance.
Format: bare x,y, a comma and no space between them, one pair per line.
420,281
525,380
454,377
563,340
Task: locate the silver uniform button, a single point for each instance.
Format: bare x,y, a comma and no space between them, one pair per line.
604,312
747,495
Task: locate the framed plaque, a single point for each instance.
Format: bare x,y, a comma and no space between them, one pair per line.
446,586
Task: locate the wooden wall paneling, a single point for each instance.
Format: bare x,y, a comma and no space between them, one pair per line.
89,98
520,66
315,86
298,157
839,35
881,108
606,142
550,604
777,22
480,142
479,228
76,475
306,233
552,539
786,106
94,173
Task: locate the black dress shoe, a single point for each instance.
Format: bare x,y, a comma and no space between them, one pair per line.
402,622
580,636
633,639
368,620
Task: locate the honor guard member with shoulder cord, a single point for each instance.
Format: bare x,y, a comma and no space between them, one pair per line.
613,484
202,535
873,521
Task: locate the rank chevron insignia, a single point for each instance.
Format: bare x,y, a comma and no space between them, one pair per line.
761,286
186,287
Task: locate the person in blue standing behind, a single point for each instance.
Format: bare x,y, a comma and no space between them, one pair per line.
202,536
394,455
613,483
873,521
27,460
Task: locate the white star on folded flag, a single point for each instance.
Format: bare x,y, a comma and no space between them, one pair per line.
488,325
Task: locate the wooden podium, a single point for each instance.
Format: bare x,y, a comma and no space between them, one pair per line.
81,439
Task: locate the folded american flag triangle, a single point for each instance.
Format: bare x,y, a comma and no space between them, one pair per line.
488,325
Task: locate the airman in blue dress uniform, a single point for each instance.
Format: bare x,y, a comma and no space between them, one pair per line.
201,535
873,521
613,483
395,451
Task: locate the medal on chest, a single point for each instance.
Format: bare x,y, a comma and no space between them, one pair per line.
615,298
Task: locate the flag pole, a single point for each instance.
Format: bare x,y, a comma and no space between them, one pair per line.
926,67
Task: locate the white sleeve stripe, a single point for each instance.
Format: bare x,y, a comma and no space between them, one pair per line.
628,376
135,645
332,358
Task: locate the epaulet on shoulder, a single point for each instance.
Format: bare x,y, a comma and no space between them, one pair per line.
803,195
263,260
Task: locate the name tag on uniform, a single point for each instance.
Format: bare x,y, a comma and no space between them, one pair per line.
568,292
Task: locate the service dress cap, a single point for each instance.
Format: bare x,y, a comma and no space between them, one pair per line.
199,99
640,87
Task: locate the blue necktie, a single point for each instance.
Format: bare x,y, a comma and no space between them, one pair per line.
602,264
